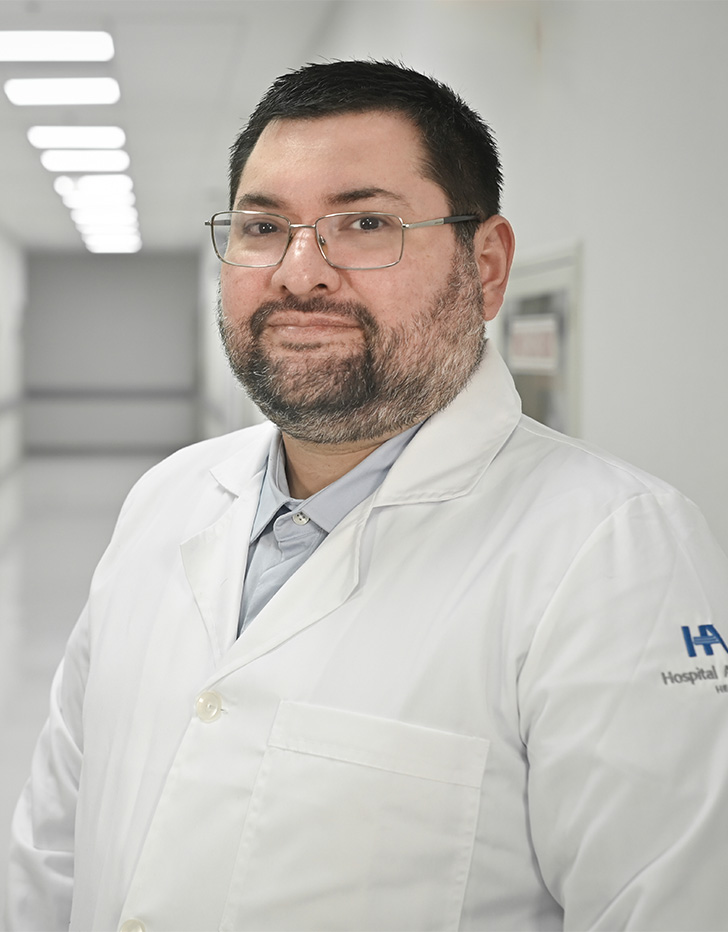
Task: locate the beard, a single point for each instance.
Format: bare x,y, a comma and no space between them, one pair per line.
395,378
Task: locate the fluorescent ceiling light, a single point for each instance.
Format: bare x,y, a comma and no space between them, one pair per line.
111,245
85,160
103,216
77,200
92,184
76,137
66,91
109,220
58,45
113,248
117,235
119,229
89,231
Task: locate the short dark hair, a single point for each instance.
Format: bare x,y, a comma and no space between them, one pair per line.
461,155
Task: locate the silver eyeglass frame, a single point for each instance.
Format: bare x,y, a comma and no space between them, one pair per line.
292,227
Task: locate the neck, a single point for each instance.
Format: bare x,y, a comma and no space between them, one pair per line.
310,467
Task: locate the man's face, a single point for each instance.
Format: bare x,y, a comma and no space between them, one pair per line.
338,356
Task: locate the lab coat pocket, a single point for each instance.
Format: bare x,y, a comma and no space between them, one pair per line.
357,823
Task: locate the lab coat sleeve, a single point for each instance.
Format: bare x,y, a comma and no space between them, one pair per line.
40,873
627,740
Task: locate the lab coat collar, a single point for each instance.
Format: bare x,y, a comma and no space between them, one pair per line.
455,446
235,472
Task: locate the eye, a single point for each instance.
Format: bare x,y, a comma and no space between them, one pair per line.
261,226
371,223
366,224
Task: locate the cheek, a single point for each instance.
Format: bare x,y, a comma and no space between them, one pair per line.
240,292
404,291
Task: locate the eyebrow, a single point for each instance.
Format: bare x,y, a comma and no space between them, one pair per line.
255,199
343,198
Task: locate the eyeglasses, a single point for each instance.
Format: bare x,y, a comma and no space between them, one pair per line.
355,240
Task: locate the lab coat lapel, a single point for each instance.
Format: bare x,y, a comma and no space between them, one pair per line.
214,562
319,587
215,557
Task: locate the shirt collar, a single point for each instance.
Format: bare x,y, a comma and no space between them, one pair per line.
328,506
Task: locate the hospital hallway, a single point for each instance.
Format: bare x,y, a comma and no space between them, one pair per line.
67,506
612,128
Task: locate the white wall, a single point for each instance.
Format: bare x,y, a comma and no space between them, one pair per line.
612,124
12,300
111,353
626,155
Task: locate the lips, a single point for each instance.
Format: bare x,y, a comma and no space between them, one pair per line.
310,320
304,317
310,329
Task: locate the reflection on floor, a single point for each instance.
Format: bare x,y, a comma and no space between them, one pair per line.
68,509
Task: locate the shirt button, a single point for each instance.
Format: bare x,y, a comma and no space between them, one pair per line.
133,925
300,518
208,707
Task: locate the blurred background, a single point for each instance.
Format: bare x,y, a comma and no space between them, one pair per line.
612,125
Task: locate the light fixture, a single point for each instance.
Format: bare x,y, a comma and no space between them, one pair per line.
87,230
67,91
101,232
85,160
95,191
102,210
102,216
77,200
76,137
113,244
57,45
120,229
92,184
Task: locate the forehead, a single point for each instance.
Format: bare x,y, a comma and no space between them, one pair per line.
316,158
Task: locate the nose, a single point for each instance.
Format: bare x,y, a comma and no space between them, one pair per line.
304,269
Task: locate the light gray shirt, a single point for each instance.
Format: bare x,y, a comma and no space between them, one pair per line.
286,530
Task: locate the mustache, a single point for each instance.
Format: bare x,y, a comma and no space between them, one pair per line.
319,305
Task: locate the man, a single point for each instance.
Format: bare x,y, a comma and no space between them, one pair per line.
408,660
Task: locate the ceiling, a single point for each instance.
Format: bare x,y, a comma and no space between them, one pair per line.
190,71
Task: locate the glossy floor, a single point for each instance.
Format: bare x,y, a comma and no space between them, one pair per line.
68,507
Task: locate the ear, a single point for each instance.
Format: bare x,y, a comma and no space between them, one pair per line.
494,245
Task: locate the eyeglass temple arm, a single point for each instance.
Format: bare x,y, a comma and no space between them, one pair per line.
440,220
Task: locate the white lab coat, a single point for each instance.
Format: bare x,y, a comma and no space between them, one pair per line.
474,707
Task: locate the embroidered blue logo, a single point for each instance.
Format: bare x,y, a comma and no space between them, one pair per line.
706,639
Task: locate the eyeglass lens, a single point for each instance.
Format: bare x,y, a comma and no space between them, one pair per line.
347,240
